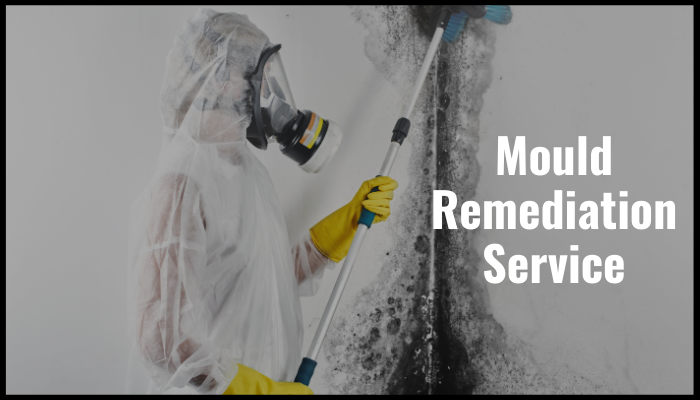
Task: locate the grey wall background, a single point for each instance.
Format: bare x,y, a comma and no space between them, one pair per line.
601,72
83,134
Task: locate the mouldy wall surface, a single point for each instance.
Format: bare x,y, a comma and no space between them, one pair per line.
382,342
424,325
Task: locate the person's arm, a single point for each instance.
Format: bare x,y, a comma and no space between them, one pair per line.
308,260
173,249
172,257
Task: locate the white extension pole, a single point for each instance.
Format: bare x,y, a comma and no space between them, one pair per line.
432,49
337,292
362,229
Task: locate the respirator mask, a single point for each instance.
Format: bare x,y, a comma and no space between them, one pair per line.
303,136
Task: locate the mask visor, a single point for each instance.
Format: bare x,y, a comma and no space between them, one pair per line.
276,101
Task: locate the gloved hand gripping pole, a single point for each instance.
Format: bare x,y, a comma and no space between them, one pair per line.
400,132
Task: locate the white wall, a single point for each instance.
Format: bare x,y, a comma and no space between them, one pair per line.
563,72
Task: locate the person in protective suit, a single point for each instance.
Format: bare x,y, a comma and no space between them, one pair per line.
214,284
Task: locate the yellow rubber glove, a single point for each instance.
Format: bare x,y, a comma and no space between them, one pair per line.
250,381
333,234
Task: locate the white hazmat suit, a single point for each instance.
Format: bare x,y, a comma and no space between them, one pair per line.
213,280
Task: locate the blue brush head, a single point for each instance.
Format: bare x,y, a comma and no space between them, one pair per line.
454,27
498,14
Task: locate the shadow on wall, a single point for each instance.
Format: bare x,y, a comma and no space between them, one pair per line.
425,325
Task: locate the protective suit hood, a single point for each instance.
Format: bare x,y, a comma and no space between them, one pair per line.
208,69
226,82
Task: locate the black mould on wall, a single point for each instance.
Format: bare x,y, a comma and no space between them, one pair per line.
401,335
381,345
424,325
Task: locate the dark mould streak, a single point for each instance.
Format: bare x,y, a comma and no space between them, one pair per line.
400,335
425,324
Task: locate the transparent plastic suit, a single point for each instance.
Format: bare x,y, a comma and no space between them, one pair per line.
213,280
